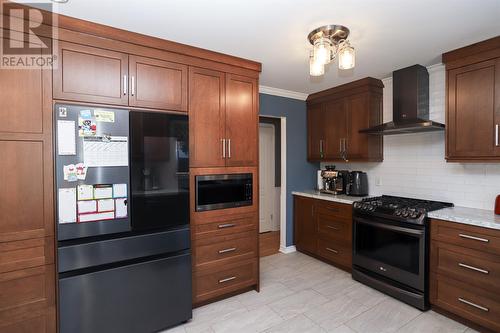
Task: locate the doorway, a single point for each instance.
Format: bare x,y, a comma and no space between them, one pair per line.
269,185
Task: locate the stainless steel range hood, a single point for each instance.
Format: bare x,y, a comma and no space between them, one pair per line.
410,96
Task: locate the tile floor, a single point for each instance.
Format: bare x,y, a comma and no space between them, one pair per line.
301,294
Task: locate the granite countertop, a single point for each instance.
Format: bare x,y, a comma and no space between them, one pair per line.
471,216
341,198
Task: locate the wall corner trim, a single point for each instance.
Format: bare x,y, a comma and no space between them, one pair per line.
282,92
288,249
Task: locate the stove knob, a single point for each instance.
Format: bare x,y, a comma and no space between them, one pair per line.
405,213
371,208
414,215
397,212
357,205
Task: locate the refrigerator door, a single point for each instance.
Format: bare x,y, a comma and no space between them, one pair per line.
159,170
92,174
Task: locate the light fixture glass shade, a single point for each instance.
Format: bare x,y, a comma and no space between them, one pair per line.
347,56
315,68
322,51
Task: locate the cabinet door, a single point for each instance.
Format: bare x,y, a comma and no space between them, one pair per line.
306,234
157,84
241,120
473,110
336,125
315,132
90,74
206,118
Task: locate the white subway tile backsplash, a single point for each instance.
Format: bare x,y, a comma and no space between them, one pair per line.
414,164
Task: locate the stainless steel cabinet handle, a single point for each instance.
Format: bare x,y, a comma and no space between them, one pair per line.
484,240
473,268
473,304
231,249
132,78
226,225
228,148
332,250
496,135
332,227
125,84
223,141
227,279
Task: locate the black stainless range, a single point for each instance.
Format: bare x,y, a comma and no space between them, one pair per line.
391,246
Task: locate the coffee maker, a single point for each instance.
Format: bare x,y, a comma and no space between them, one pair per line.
333,182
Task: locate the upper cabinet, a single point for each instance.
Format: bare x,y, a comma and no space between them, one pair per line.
90,74
473,102
157,84
223,112
335,116
94,75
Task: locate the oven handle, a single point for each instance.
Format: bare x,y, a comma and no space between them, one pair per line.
390,227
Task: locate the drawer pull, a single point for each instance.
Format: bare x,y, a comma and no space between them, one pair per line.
332,227
332,250
473,268
231,249
484,240
227,225
227,279
473,305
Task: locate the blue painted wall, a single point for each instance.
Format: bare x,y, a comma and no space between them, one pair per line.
300,174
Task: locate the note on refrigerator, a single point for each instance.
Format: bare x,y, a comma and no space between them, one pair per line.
105,205
103,191
67,205
105,151
85,192
87,206
96,217
119,190
66,137
121,207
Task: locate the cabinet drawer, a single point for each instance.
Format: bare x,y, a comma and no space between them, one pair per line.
226,248
469,266
228,278
335,252
227,226
333,209
468,302
478,238
335,228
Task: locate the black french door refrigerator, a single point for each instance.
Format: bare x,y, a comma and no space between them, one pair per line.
122,189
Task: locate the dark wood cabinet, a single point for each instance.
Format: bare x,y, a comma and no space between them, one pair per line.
323,229
465,272
335,117
473,103
90,74
27,271
157,84
207,115
306,230
242,120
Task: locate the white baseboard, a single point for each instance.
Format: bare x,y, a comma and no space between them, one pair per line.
287,249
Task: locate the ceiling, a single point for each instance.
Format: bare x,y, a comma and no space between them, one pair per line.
387,34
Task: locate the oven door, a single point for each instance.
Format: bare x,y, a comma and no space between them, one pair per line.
223,191
393,251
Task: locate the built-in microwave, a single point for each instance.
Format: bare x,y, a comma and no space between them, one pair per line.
223,191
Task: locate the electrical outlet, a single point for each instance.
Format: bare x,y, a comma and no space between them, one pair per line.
378,181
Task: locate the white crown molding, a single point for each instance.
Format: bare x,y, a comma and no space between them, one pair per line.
282,92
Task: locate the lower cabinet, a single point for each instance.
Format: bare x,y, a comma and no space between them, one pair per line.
225,256
465,272
324,229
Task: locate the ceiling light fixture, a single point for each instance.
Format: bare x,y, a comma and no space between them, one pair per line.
328,42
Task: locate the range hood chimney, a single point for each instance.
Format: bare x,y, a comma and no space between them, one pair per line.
410,102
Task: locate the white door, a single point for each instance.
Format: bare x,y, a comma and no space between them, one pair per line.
266,174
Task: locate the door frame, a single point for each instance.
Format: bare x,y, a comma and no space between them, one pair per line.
283,193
